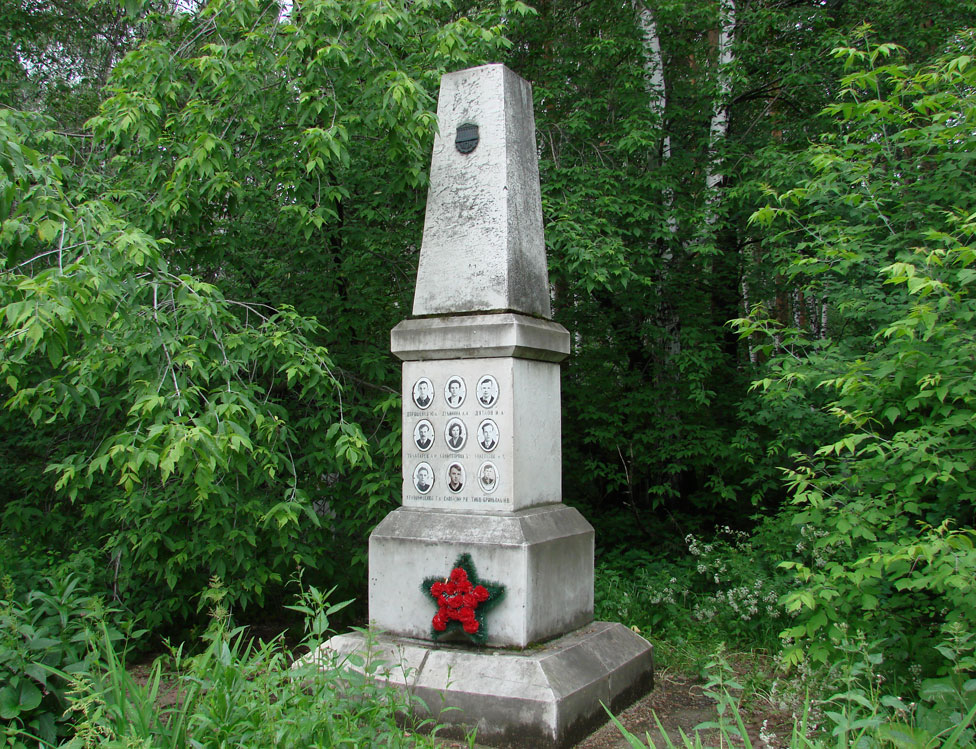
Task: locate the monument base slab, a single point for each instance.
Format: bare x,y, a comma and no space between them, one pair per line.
548,695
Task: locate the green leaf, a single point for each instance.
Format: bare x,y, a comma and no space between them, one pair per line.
29,697
54,351
9,702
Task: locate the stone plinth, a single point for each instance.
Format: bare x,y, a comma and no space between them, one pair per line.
549,696
543,556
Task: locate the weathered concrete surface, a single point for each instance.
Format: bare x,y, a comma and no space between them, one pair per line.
547,696
479,336
543,556
483,248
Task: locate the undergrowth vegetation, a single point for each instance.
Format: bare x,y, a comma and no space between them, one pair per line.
67,681
728,587
71,686
723,612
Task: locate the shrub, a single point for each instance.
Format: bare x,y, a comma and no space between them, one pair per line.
881,227
726,588
46,637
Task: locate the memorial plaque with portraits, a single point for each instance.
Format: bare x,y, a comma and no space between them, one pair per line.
457,446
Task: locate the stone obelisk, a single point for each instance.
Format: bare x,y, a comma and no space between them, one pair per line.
482,452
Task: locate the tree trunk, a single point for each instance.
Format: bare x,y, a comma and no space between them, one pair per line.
657,97
719,126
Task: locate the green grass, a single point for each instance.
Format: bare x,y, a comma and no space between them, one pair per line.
236,691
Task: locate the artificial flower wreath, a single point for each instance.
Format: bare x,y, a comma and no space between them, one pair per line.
462,600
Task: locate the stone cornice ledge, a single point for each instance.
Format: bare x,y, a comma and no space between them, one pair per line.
479,337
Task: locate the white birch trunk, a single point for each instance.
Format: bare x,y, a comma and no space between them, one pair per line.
657,98
744,289
655,87
719,125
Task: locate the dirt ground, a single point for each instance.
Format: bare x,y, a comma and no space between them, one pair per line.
678,702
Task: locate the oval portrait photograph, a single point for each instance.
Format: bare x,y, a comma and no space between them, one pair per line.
456,434
488,435
423,393
454,392
488,477
455,477
423,478
487,391
423,435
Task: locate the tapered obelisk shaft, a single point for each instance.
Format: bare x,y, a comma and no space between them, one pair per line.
483,247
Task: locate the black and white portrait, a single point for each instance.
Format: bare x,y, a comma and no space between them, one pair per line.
488,477
488,435
487,391
455,477
457,434
423,435
423,478
423,393
454,392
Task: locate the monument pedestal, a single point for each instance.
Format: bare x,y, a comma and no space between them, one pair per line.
549,695
482,461
543,556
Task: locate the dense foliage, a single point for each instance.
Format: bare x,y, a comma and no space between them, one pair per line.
164,339
761,224
151,414
882,229
236,690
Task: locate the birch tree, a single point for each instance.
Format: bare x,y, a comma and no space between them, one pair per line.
719,124
657,98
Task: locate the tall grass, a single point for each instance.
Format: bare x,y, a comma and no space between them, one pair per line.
236,692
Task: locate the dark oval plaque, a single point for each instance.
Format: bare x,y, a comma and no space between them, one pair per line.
466,139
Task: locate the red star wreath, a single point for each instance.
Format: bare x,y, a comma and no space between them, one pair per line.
462,600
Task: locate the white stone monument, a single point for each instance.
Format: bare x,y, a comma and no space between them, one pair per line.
482,455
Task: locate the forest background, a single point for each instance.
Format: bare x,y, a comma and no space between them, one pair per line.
760,220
